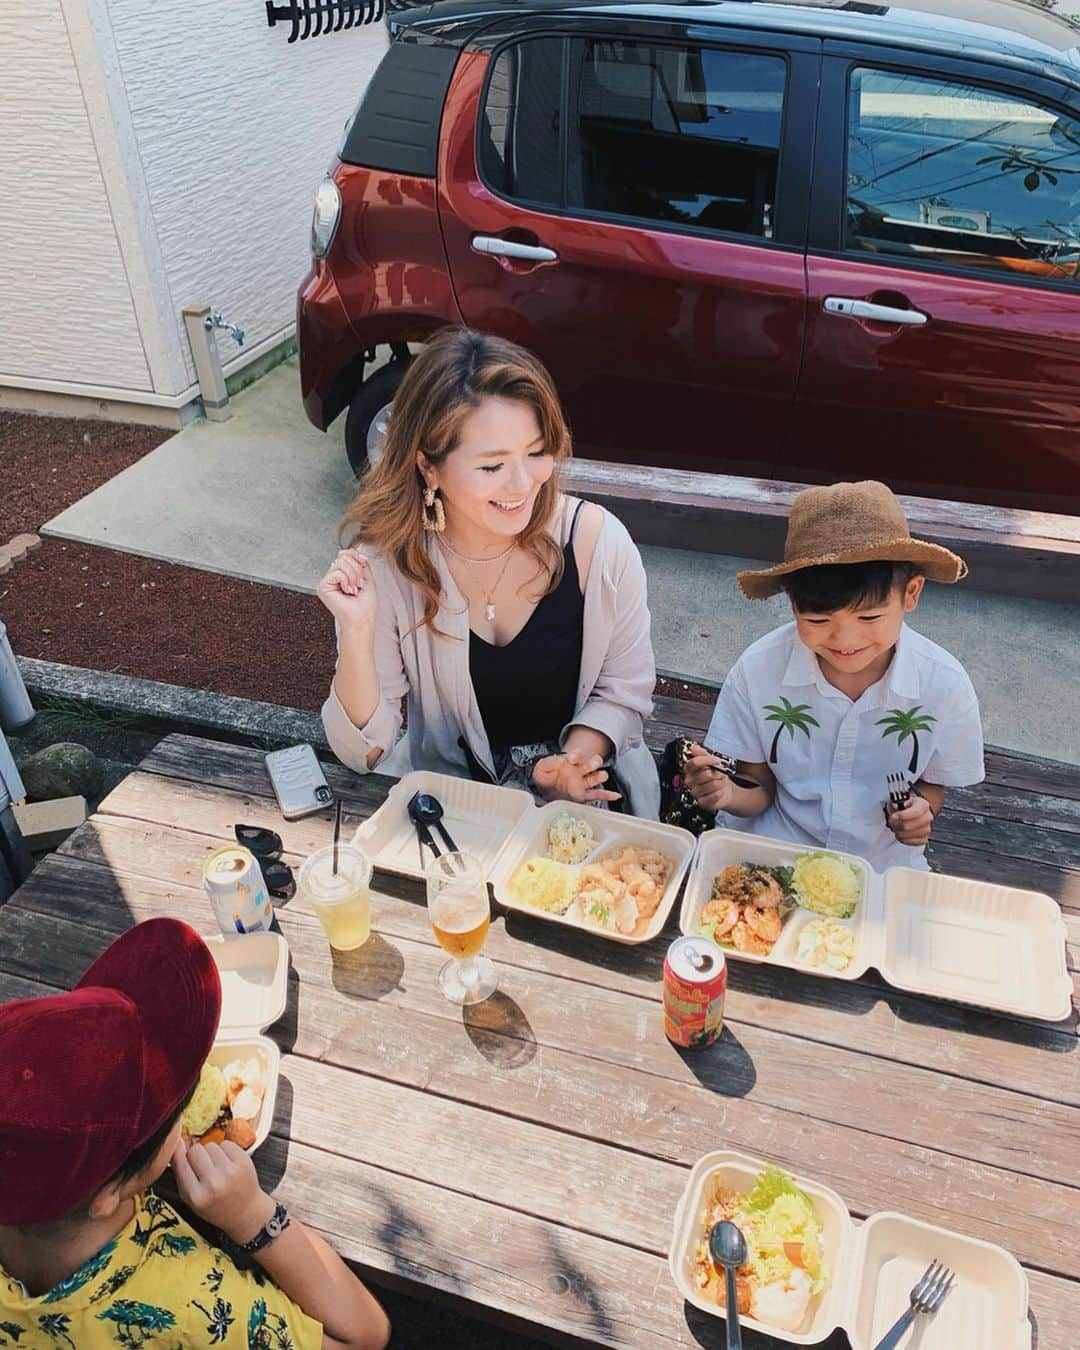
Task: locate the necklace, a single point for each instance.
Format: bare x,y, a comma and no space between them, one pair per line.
489,596
465,557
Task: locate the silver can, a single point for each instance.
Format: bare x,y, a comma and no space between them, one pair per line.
237,891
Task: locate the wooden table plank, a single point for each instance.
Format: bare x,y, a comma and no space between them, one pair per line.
873,1171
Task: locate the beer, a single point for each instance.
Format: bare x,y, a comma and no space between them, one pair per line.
237,891
342,899
460,921
695,983
460,916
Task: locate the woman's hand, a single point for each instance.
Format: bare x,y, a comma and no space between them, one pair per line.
221,1185
348,591
572,777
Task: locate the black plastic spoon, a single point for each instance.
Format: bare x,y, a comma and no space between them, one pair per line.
727,1247
426,811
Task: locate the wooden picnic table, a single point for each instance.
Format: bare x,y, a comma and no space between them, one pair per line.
523,1158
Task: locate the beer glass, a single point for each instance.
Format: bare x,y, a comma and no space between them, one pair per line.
460,916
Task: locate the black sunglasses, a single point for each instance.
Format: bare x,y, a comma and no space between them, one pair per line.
267,848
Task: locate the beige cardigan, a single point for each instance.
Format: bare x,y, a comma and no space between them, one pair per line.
618,673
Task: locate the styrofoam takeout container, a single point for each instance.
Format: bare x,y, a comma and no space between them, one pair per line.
479,817
254,969
872,1270
971,941
530,839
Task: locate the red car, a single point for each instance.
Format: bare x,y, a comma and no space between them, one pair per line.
804,241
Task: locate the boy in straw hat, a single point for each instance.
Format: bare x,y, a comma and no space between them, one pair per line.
92,1085
821,710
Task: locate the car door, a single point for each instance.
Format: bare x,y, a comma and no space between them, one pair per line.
630,204
943,327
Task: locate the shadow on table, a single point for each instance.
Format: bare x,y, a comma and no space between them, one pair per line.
711,1332
643,962
371,971
499,1029
272,1163
858,998
401,1231
568,1279
724,1068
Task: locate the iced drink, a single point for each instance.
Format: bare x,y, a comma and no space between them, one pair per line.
341,900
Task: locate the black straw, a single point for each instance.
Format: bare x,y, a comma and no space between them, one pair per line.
337,832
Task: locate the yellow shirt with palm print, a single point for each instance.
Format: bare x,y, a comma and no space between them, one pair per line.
158,1285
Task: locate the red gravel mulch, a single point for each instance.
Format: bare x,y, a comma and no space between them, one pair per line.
93,607
48,463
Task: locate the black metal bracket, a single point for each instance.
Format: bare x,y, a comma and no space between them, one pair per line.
312,18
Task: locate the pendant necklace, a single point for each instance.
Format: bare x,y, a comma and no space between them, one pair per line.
489,597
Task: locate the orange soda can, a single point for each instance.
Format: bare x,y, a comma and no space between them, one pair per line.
695,982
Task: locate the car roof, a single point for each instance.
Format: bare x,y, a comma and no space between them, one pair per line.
1039,34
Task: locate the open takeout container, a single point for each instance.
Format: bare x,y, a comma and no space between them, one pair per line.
254,969
973,942
479,817
610,829
872,1269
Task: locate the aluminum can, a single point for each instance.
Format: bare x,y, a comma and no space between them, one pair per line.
695,982
237,891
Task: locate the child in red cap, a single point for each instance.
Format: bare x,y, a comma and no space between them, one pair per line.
92,1084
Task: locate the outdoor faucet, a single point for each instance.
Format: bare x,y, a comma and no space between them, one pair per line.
215,319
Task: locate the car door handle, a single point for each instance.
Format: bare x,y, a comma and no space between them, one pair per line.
510,248
863,309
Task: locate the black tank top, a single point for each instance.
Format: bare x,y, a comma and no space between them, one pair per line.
527,690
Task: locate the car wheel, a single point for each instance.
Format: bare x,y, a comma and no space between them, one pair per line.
365,426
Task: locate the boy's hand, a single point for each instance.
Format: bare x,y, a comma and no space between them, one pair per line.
913,824
712,789
221,1185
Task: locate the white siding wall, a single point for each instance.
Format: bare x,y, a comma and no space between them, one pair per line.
234,128
66,312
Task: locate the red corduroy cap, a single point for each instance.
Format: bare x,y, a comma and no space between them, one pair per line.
87,1077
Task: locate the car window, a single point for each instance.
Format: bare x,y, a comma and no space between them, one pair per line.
946,172
675,134
518,140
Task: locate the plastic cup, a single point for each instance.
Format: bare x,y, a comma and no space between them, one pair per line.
341,900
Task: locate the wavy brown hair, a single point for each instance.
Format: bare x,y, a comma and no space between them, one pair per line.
454,373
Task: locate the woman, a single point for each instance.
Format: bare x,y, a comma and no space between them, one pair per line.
513,619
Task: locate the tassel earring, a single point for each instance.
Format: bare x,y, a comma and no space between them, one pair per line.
434,515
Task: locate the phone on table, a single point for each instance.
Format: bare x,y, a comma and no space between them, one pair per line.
298,781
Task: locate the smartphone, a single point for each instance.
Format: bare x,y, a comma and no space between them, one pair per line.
298,780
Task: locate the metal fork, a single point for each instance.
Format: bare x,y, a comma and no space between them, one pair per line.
926,1297
899,791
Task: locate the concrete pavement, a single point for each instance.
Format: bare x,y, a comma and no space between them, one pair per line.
260,497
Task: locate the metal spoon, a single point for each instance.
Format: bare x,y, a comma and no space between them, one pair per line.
727,1247
426,810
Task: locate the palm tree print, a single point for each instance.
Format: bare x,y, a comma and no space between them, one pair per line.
135,1322
113,1283
174,1244
219,1321
267,1330
55,1326
10,1329
792,717
903,723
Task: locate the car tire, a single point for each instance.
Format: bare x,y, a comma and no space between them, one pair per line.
372,398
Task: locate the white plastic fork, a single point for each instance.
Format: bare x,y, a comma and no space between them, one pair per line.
926,1297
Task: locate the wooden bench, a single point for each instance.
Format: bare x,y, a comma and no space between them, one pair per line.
1029,553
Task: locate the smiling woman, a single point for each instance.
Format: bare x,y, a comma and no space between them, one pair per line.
513,619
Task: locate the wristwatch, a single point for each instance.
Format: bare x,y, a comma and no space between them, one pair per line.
271,1229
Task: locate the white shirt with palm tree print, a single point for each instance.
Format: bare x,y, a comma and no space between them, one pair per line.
831,755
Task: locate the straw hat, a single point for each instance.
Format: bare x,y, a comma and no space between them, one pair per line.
850,523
